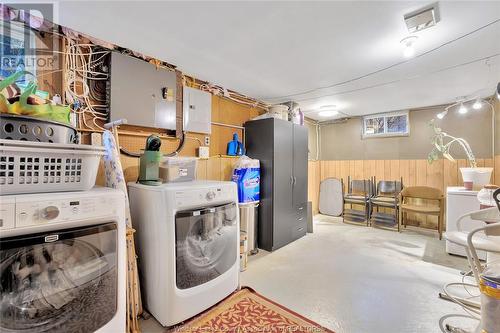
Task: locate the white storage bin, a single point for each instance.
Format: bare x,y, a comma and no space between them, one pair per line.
38,167
178,169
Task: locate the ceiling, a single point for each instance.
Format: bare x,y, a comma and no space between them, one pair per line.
271,50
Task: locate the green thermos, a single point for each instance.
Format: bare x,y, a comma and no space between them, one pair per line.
149,167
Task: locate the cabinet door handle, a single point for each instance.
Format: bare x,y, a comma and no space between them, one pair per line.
294,180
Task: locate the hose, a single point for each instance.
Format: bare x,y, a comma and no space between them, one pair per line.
182,142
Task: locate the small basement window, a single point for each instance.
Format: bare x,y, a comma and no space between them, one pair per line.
387,124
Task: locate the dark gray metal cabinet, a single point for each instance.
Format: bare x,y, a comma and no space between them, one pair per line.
281,147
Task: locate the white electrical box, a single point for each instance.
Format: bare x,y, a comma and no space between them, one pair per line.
141,93
197,110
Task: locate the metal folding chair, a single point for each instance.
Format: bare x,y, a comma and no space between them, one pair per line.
386,196
358,193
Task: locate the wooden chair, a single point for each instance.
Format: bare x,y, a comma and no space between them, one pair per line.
422,192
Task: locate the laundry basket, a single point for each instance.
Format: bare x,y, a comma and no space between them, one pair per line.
34,167
16,127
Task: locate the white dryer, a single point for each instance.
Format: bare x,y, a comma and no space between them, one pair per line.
63,262
188,246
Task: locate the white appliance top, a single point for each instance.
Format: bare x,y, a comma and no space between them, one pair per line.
185,186
187,195
460,191
25,211
96,191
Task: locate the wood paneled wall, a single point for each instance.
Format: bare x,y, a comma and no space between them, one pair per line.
214,168
440,174
314,179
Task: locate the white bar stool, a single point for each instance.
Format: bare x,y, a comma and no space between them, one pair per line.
485,238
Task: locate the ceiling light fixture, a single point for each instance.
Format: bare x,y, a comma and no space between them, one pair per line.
328,113
477,104
462,109
409,46
422,19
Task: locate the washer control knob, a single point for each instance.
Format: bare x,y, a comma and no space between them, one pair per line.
210,195
50,212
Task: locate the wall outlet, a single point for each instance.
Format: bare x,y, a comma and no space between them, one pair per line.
207,141
204,152
96,139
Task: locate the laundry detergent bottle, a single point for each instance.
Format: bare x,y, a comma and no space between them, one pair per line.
235,147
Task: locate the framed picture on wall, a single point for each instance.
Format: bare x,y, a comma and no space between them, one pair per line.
386,124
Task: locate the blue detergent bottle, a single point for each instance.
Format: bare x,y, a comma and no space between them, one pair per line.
235,147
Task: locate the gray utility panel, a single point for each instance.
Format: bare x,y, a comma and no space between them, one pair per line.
137,92
281,147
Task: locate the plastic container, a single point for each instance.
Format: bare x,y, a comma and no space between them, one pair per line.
178,169
279,111
485,196
490,299
37,167
246,174
243,251
249,213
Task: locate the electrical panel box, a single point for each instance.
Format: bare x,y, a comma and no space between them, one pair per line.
197,110
141,93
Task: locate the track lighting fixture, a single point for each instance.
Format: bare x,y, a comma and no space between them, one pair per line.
462,108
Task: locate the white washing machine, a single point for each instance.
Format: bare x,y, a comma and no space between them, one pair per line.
188,246
63,262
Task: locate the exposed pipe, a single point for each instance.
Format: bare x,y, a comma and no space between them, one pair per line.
318,138
227,125
182,142
242,128
116,123
493,125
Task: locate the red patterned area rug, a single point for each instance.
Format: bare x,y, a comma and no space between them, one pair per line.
245,311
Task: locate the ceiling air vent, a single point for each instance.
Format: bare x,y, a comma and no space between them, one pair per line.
422,19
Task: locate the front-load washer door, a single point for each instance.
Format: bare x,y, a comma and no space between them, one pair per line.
62,281
206,244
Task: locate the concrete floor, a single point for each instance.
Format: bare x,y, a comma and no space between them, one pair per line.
357,279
